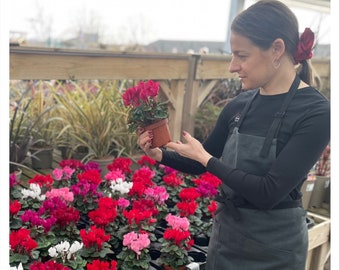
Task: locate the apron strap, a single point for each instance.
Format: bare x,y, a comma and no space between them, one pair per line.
239,118
279,117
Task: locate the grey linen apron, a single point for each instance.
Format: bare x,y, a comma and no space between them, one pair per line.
246,238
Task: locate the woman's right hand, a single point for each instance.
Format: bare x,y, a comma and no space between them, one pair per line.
144,141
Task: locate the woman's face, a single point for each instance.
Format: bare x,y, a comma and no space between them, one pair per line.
252,64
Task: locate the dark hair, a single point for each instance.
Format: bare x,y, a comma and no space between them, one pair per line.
267,20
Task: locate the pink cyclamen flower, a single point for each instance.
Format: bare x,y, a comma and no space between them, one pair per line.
64,193
114,175
136,242
58,174
157,193
178,223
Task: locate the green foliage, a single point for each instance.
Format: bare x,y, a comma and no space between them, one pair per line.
94,117
147,114
212,106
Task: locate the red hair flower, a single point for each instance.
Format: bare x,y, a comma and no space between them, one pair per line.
304,49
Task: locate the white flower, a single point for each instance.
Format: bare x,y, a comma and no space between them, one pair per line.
121,186
17,268
34,192
74,248
52,252
63,247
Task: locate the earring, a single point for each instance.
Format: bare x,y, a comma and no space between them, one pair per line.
276,63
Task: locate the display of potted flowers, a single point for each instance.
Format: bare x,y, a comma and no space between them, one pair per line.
75,219
147,112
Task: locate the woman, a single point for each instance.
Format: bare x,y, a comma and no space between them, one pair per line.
263,145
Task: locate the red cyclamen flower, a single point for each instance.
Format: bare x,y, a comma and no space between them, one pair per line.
95,237
42,180
14,207
21,241
187,208
102,265
49,265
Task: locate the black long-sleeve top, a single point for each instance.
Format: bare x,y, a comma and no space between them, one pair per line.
304,133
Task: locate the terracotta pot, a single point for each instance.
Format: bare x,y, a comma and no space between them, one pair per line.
161,133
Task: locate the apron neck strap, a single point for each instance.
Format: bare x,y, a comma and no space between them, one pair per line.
279,117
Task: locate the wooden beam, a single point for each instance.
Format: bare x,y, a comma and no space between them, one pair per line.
47,64
191,95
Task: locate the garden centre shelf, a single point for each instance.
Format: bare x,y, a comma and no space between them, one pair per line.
319,242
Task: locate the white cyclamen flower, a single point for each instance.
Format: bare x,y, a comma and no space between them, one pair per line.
52,252
74,248
17,268
63,247
121,186
34,192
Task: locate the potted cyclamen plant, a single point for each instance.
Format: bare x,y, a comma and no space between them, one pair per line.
175,243
147,112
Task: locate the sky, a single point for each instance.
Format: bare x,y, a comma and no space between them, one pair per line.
143,21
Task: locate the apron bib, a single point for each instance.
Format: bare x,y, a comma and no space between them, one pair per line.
244,237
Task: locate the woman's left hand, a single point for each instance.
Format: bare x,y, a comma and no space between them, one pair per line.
191,149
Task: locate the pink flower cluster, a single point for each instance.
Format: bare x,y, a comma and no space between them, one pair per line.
136,241
63,193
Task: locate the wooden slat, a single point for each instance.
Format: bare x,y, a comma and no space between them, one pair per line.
36,65
319,234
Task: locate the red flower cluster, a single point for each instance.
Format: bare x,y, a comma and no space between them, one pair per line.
72,163
187,208
146,161
42,180
21,241
90,176
179,237
101,265
122,164
141,92
142,179
172,179
105,213
95,237
14,207
189,194
136,216
49,265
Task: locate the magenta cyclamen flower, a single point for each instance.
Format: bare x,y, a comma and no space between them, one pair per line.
207,189
123,203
